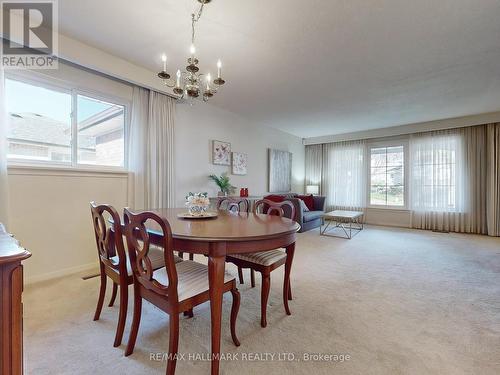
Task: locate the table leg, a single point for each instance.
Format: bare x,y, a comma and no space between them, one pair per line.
216,269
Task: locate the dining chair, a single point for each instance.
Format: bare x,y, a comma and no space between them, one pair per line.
233,204
265,262
236,205
175,288
114,262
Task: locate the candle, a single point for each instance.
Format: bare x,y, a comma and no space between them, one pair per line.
164,59
219,66
209,78
178,84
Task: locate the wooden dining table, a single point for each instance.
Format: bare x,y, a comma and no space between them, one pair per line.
228,233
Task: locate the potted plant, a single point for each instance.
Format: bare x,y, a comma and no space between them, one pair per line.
223,183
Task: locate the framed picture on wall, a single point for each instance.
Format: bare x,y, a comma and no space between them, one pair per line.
239,163
221,153
280,171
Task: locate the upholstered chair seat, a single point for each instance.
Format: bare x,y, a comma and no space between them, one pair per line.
155,255
192,278
264,258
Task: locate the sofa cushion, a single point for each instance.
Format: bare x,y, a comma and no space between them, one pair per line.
312,215
308,200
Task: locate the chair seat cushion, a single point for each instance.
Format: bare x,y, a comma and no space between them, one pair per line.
192,278
263,258
312,215
155,255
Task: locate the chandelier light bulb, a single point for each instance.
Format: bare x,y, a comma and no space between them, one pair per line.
209,78
178,83
219,66
164,59
192,49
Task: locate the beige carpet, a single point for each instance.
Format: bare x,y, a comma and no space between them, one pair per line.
396,301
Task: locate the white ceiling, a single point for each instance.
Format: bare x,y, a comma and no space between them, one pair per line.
316,67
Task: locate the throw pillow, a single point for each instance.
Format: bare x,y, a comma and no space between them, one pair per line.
303,206
275,198
308,200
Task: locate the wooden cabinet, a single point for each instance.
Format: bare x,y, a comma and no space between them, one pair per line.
11,307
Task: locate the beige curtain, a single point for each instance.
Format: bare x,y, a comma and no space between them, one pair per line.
493,178
314,165
482,155
3,154
481,188
151,150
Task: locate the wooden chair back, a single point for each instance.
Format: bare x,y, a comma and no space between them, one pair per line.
108,236
282,209
234,204
139,242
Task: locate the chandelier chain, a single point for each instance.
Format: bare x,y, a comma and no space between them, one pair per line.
195,17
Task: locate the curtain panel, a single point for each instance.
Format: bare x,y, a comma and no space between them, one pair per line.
476,176
493,178
151,150
437,186
3,153
344,171
314,165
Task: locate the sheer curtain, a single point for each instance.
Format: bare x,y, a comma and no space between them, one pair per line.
151,150
437,180
3,153
344,175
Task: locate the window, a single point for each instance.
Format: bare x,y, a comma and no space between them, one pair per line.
100,132
437,173
42,127
39,123
387,176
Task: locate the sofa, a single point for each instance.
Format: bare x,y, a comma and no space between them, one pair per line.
307,219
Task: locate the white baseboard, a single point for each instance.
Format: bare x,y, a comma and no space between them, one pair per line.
387,224
60,273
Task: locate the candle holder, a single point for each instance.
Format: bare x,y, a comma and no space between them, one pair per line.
219,81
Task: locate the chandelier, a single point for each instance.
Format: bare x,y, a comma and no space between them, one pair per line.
190,82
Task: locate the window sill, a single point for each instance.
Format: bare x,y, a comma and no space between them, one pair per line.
388,208
52,170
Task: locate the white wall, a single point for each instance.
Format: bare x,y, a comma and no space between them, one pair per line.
198,125
50,215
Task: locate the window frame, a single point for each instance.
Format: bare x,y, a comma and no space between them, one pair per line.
388,143
54,84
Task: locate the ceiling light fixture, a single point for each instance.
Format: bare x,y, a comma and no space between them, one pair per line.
190,82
